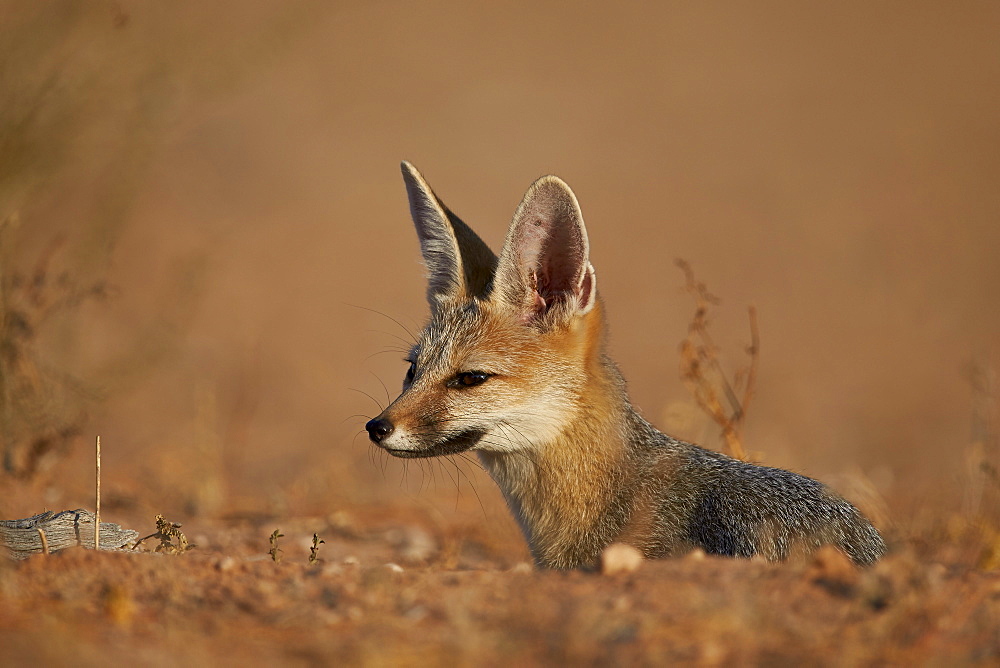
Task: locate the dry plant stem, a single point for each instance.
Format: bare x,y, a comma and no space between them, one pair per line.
754,352
44,539
703,374
97,512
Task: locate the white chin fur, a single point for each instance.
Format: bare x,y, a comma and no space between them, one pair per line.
526,429
399,440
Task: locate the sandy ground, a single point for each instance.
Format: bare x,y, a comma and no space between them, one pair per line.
201,203
402,595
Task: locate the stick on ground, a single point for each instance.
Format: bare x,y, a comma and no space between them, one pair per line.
22,538
97,513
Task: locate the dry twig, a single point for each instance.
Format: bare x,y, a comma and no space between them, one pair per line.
703,374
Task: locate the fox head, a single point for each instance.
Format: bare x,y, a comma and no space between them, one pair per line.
511,341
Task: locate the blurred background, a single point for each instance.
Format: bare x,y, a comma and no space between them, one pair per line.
206,245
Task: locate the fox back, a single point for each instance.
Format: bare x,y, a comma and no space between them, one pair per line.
512,365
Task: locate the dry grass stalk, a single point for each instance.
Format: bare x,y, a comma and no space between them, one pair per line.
703,374
97,510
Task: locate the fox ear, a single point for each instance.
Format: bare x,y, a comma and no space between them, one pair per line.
545,262
460,265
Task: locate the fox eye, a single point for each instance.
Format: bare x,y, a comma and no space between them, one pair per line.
411,372
469,379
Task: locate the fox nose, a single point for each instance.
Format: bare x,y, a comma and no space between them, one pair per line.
378,429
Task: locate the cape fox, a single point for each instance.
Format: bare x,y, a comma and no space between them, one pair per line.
512,365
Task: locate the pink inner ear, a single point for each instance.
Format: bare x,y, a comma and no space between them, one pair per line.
545,259
554,276
538,304
586,289
537,308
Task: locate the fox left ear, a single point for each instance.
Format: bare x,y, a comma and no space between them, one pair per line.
545,262
459,264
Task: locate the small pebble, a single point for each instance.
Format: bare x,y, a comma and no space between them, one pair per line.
697,554
620,558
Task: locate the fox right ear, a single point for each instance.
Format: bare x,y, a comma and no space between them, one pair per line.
459,264
544,270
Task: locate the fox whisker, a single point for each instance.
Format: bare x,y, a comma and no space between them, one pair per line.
409,333
386,351
388,398
374,400
357,416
